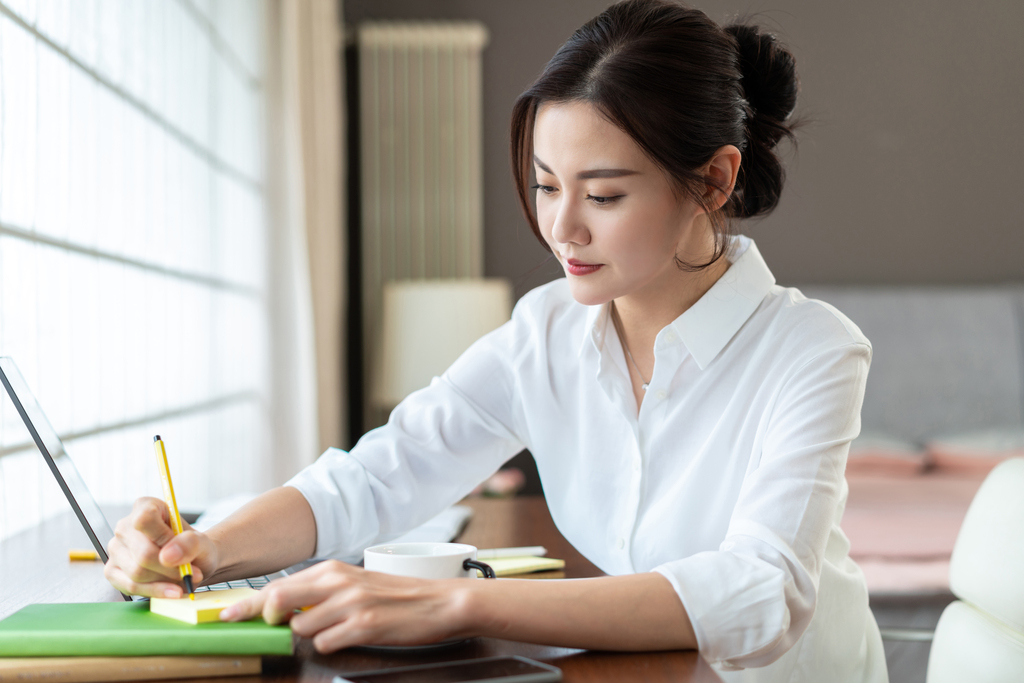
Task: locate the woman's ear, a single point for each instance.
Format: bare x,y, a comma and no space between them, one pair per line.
721,174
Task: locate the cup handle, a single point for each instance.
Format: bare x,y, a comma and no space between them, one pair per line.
482,566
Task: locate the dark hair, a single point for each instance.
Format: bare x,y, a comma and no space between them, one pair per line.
681,87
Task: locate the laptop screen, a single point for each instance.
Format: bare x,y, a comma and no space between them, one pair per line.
56,457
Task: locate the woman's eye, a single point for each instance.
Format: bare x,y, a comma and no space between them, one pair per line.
601,201
546,189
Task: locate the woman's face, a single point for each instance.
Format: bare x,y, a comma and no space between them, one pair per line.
609,214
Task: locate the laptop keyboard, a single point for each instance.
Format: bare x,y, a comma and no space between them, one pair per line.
256,582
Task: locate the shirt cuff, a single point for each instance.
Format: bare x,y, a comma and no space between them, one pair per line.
736,605
338,491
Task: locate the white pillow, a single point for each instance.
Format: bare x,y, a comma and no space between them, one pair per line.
971,646
987,565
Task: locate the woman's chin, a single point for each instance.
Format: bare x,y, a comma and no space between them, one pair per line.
587,295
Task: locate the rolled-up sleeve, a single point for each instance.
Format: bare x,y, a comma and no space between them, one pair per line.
752,598
438,444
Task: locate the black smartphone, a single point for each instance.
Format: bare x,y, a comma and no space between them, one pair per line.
498,669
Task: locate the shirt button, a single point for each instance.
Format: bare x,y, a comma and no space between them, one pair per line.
621,543
636,464
671,337
661,395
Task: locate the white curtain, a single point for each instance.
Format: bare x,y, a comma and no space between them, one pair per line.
306,183
170,243
135,242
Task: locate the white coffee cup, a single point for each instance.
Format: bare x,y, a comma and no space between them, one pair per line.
425,560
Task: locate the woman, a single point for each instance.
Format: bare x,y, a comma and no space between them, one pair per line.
690,419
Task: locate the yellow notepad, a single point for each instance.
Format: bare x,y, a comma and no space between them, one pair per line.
510,566
205,608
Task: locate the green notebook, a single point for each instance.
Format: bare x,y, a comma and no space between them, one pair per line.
128,628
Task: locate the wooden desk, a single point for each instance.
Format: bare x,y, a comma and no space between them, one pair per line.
34,568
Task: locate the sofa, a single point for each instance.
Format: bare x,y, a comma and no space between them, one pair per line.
944,404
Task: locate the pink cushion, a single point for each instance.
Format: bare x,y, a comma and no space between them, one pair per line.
906,517
902,529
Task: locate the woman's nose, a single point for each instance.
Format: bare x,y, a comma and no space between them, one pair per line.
568,226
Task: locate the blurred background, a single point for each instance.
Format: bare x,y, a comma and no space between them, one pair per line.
219,220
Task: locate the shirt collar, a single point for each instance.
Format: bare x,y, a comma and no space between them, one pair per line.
595,326
708,325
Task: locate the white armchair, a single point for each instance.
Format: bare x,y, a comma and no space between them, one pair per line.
980,636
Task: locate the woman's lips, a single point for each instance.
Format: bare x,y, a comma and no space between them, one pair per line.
580,268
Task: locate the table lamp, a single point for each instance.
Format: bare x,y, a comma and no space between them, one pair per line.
427,324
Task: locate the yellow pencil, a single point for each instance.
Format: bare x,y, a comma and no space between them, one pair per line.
81,555
165,478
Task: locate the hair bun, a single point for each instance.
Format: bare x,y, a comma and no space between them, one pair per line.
769,83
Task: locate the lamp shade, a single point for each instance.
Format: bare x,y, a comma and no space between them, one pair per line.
427,324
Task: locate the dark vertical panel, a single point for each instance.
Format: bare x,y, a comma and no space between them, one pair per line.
354,273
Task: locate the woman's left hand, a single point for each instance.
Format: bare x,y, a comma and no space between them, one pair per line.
345,606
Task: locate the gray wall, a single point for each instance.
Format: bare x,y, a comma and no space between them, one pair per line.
909,174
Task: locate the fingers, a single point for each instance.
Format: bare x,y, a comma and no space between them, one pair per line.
334,597
152,589
344,606
282,601
145,554
322,611
279,600
366,627
276,604
137,558
185,547
245,609
361,617
340,636
127,569
152,518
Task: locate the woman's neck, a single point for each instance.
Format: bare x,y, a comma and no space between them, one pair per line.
638,319
643,315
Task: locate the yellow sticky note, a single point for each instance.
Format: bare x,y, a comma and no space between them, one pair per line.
205,608
511,566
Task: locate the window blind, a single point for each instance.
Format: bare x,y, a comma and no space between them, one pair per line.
133,246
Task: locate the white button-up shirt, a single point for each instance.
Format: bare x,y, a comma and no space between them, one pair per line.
728,481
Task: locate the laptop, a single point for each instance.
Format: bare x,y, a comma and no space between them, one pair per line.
445,527
95,523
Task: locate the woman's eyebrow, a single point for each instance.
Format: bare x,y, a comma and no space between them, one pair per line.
587,175
605,173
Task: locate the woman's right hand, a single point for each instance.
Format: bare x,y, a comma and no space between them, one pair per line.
145,553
